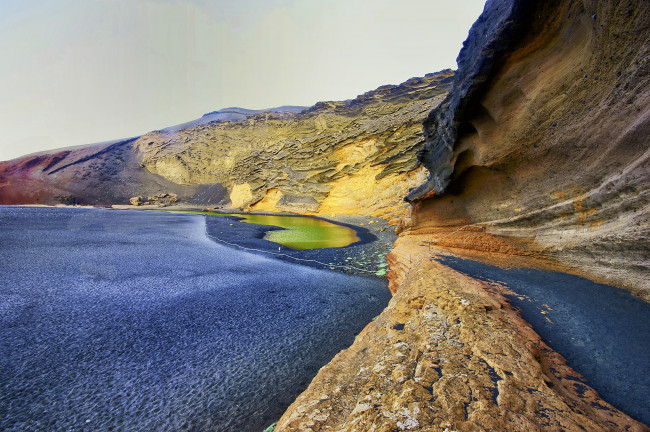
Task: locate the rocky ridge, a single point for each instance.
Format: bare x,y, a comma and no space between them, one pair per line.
537,157
336,157
349,157
450,353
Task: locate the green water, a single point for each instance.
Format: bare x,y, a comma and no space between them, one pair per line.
304,232
299,232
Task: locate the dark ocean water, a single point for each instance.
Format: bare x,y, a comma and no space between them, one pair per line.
601,331
133,321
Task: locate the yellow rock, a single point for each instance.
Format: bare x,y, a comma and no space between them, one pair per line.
269,202
240,194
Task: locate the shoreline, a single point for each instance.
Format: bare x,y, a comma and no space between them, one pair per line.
570,388
135,282
451,352
366,257
376,238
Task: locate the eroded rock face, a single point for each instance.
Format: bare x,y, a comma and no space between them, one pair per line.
352,157
544,137
540,150
491,36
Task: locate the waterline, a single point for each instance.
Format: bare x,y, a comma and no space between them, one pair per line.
299,232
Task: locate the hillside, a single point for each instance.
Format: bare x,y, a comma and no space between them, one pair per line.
537,159
351,157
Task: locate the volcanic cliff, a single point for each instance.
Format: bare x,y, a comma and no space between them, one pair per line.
544,140
351,157
537,157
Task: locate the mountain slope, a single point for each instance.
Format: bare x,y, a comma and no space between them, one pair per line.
231,114
356,156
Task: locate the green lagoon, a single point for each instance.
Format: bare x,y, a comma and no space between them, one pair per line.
299,232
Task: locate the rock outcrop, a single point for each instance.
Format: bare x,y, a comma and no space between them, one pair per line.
351,157
450,353
538,156
544,138
160,200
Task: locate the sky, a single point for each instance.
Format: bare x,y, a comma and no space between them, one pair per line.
82,71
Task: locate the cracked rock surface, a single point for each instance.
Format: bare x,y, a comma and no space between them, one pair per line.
449,353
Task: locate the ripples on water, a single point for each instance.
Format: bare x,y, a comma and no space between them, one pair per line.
133,321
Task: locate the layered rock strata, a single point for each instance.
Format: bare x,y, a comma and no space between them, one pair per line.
350,157
544,138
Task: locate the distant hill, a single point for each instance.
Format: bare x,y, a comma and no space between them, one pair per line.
232,114
353,156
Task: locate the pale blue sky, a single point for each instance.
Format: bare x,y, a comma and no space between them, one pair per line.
82,71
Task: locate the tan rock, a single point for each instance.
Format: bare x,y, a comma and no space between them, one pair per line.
353,157
240,194
547,142
448,353
269,202
303,155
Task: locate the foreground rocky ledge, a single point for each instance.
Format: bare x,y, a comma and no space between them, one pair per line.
449,353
